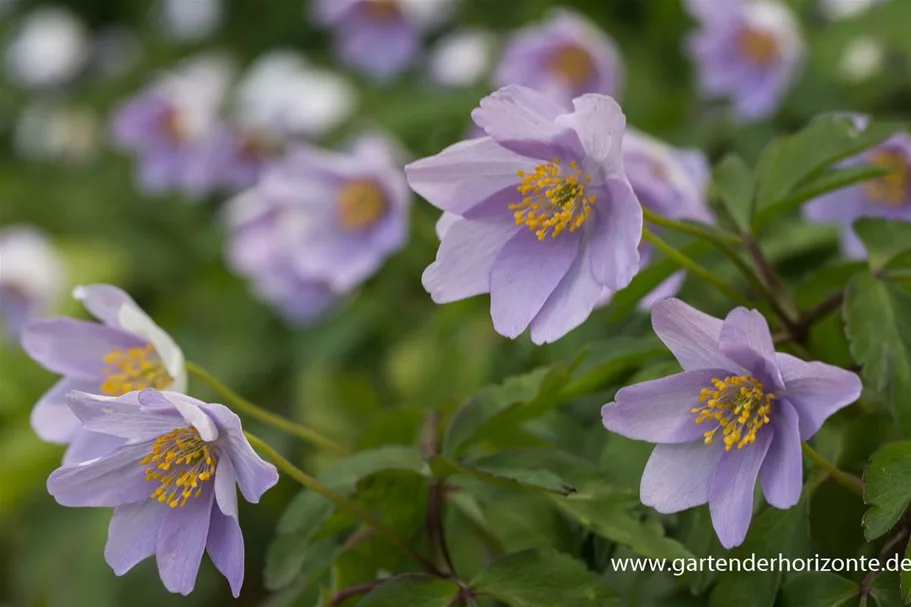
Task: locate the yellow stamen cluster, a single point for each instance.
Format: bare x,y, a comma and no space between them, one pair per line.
571,63
382,10
180,461
759,46
360,204
893,189
739,405
554,200
134,369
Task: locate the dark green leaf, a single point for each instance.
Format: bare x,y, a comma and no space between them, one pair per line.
887,490
906,577
885,239
734,181
413,591
543,480
817,589
885,590
698,536
573,470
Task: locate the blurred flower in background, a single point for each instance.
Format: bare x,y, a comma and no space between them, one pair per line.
190,20
49,48
861,60
462,58
564,57
846,9
32,276
48,131
747,51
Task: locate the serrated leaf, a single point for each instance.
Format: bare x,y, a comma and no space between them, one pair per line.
887,488
734,180
819,589
878,327
885,239
542,480
543,578
413,591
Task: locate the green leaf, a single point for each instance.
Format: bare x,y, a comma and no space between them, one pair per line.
734,181
887,488
698,536
543,578
543,480
885,590
906,577
817,589
413,591
885,239
572,470
878,327
604,361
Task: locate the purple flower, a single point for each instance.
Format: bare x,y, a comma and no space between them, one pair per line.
127,352
171,482
31,279
564,58
888,196
738,411
749,51
546,218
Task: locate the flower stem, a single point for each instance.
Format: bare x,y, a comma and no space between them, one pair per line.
241,404
695,268
342,502
851,482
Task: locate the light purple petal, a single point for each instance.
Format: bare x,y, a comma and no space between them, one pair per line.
73,347
225,546
226,486
524,275
51,419
816,390
132,534
254,476
746,340
381,49
617,232
731,495
187,406
104,302
86,445
781,475
182,541
599,123
658,411
668,288
679,476
691,335
122,416
112,480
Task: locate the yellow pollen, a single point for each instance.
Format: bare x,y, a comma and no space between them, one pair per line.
361,203
759,46
382,10
894,188
572,63
180,461
173,126
739,405
553,200
134,369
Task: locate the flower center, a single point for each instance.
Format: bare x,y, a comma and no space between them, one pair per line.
172,126
134,369
382,10
554,200
572,63
739,405
360,203
759,46
180,460
892,189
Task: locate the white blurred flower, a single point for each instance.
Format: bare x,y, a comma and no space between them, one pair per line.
48,48
49,132
861,59
462,58
31,276
197,90
427,14
282,95
846,9
191,19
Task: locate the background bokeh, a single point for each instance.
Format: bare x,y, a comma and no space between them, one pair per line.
368,371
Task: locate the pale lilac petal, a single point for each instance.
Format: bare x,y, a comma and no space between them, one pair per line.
659,411
731,495
599,123
816,390
86,445
382,50
122,416
616,236
691,335
746,340
254,476
524,275
182,541
781,475
679,476
104,302
225,546
668,288
187,406
112,480
446,221
226,486
73,347
51,418
132,534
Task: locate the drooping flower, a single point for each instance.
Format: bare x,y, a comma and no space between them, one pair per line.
48,49
31,277
171,126
737,412
171,482
461,58
126,352
542,215
888,196
747,50
564,58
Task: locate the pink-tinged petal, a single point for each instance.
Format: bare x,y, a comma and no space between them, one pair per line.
599,123
73,347
132,534
524,275
188,407
51,419
254,476
110,481
816,390
691,335
466,174
679,476
731,495
226,487
465,259
781,475
225,546
121,416
616,235
659,411
746,340
86,446
104,302
182,541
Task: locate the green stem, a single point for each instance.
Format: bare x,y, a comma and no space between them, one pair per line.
695,268
342,502
241,404
851,482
